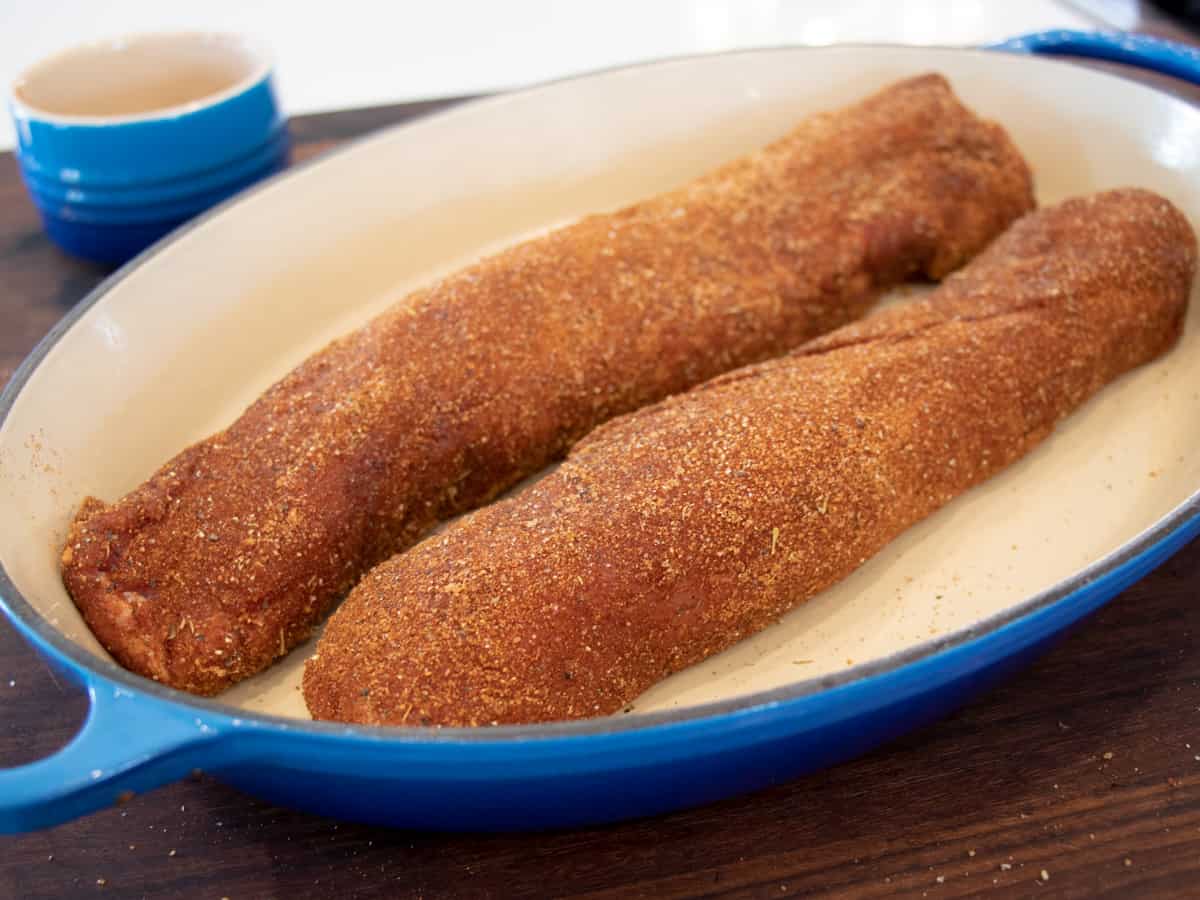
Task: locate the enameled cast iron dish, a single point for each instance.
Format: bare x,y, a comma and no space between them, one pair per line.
177,342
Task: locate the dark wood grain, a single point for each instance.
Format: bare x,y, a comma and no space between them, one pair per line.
1087,766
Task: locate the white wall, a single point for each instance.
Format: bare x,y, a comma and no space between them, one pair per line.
343,53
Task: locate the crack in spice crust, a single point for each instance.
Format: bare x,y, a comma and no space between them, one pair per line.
671,533
465,387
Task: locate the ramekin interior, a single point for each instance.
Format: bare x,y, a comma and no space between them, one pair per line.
139,77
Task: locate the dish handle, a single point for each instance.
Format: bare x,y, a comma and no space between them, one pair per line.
128,743
1141,50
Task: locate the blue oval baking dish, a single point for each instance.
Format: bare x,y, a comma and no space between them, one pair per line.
238,272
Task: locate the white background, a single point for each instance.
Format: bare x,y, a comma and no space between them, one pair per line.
347,53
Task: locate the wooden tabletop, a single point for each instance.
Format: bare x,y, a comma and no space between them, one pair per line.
1080,778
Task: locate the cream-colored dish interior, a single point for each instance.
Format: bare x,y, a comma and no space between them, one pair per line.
138,75
179,346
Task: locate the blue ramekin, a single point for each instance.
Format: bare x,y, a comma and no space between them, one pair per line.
106,186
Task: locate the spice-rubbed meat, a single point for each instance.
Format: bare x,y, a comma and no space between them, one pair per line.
671,533
235,549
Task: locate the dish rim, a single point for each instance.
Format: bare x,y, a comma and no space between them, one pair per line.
90,666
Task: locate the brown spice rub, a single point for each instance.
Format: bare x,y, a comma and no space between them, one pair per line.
229,554
671,533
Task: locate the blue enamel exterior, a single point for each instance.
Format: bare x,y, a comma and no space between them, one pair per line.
149,150
107,190
137,196
1143,51
139,735
114,233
